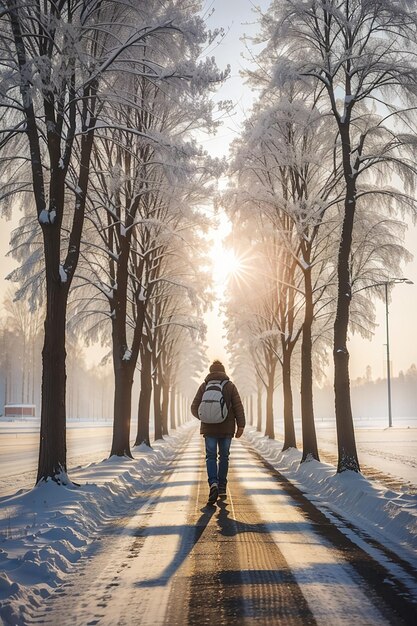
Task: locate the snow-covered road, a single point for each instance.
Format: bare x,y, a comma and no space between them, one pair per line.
265,555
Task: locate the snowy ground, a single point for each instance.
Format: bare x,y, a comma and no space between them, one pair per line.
87,442
45,531
52,538
392,451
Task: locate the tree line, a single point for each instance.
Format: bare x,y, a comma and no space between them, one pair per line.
322,174
100,105
89,390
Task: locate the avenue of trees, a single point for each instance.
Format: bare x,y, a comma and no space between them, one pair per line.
322,172
101,105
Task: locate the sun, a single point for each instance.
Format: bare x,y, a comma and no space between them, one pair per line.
230,262
226,265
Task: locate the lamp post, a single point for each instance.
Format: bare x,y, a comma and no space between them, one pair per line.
391,281
385,284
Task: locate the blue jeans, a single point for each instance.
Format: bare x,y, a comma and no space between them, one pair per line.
217,473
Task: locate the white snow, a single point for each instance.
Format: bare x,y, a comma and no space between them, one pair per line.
142,296
392,451
47,217
88,441
304,264
62,273
388,516
46,531
127,355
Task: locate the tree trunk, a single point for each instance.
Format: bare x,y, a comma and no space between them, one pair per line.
348,458
289,431
252,417
145,396
269,428
172,408
123,381
179,412
164,408
53,448
157,411
259,406
32,361
310,449
23,369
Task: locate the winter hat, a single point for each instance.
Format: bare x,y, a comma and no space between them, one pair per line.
217,366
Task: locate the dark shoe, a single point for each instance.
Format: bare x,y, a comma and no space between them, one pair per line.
222,490
214,493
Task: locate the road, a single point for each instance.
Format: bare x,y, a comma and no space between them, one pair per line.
262,555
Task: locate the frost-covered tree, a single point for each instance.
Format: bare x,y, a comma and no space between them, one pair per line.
57,57
20,348
64,67
284,167
362,54
174,313
158,232
149,174
26,324
271,170
252,309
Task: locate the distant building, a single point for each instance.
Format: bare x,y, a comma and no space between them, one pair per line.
19,410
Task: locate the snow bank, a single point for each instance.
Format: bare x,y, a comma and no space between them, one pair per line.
387,516
45,531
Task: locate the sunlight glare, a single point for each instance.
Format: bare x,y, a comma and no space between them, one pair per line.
225,265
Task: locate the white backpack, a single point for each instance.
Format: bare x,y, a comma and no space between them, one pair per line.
213,409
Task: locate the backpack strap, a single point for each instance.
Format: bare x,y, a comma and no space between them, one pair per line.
218,383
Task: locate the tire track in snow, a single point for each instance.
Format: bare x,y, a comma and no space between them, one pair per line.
179,563
389,593
105,587
235,574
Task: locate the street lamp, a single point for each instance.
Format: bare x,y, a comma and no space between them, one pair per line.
385,284
391,281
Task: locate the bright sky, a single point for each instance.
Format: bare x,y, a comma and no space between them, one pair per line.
237,18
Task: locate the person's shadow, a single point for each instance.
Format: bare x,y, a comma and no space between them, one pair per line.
190,535
229,527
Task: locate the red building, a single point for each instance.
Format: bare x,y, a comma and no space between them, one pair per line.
19,410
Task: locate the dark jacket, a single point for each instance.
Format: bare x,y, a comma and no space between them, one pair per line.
236,414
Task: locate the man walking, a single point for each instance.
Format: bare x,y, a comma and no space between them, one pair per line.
218,406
